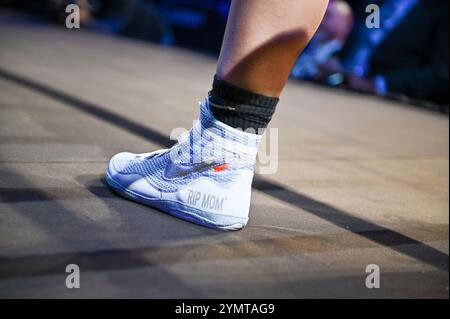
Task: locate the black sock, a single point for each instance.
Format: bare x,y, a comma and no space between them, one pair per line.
240,108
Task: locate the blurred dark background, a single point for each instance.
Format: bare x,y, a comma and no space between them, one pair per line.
406,58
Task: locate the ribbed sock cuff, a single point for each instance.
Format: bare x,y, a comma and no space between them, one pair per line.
238,95
240,108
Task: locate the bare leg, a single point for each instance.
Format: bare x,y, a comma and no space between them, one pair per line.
263,39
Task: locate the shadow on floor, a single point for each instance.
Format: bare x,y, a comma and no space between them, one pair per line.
376,233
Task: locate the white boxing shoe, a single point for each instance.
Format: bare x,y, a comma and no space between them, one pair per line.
205,178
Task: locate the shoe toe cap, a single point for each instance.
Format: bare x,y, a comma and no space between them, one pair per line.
120,175
118,163
119,168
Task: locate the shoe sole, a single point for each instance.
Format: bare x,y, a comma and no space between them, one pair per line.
175,209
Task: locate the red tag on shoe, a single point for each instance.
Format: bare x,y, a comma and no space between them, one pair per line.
221,167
